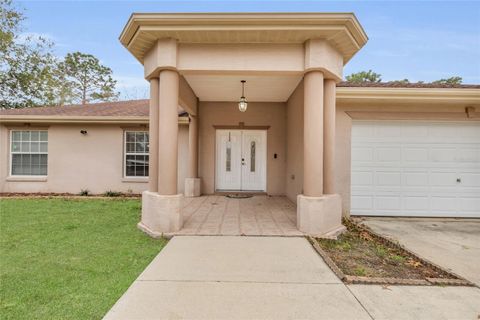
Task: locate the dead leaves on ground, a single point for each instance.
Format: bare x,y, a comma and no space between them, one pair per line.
414,263
366,236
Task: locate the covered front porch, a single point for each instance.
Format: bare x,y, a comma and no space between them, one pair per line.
283,144
259,215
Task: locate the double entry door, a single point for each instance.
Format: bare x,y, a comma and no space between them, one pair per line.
241,160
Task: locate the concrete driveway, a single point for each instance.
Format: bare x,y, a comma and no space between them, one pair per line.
226,277
453,244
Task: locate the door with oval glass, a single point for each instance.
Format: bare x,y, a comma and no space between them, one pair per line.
241,160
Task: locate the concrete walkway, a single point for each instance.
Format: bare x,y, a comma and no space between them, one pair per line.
197,277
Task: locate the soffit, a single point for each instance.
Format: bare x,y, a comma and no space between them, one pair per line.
257,88
341,29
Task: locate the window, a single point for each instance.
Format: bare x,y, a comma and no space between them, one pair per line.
29,152
136,154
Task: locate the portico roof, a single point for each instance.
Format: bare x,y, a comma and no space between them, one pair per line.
342,30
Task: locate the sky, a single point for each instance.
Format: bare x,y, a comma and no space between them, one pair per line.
415,40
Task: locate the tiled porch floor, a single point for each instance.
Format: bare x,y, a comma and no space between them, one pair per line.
259,215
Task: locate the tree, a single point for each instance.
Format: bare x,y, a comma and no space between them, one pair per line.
88,79
364,76
26,63
31,75
451,81
400,82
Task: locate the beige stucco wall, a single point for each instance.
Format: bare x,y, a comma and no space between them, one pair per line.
93,161
258,114
294,167
245,57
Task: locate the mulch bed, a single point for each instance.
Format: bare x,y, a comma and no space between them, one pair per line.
361,256
68,195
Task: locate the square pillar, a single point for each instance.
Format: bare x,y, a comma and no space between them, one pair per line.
192,182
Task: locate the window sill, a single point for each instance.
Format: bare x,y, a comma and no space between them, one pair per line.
26,179
136,179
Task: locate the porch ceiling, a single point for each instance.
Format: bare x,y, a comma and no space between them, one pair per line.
342,30
257,88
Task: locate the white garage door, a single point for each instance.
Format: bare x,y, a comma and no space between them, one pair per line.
410,168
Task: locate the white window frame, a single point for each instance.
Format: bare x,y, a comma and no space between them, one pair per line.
125,154
10,165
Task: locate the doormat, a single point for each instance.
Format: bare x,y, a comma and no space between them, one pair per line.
239,195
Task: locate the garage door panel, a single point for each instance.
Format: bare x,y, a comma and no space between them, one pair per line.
416,203
392,179
385,130
362,153
443,179
362,178
416,179
385,154
387,202
442,154
444,204
415,154
466,154
469,179
362,202
404,168
469,205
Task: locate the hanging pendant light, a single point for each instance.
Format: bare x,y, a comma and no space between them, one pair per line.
242,103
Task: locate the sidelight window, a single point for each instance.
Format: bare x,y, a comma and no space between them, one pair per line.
252,156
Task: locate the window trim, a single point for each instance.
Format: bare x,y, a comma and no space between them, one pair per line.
24,177
125,153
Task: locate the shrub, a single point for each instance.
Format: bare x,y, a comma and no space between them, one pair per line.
110,193
84,192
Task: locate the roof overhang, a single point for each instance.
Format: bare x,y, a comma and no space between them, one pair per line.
21,119
361,96
342,30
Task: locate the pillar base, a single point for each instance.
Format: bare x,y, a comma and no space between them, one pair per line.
161,213
192,187
320,216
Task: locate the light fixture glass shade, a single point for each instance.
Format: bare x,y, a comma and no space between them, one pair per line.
242,104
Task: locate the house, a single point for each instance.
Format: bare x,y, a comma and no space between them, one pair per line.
255,103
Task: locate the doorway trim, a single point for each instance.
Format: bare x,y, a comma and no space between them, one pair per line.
240,126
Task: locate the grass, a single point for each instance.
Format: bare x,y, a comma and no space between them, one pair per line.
357,253
69,259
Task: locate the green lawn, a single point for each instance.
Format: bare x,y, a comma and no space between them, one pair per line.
67,258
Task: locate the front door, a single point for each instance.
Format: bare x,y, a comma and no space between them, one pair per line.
241,160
